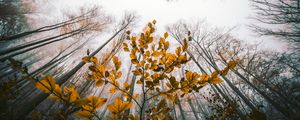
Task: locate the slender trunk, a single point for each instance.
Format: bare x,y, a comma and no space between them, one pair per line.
193,109
58,38
45,28
180,109
29,105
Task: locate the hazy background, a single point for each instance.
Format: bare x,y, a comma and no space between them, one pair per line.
218,13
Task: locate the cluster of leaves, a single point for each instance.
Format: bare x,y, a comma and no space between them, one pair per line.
159,111
153,64
153,67
83,107
222,110
102,76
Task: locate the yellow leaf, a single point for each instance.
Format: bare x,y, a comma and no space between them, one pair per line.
185,45
54,97
204,77
178,51
133,38
216,80
136,72
126,49
166,45
81,102
119,74
72,92
134,61
225,71
231,64
86,59
126,85
154,21
99,83
147,53
46,85
139,82
155,54
96,102
112,90
149,25
214,74
170,69
182,58
166,34
94,60
132,56
83,113
115,60
101,69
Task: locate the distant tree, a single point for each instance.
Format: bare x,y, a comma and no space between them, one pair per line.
282,18
13,17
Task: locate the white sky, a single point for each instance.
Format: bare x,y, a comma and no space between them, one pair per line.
219,13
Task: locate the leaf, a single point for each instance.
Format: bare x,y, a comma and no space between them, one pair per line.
214,74
231,64
173,82
96,102
101,69
154,21
54,97
138,82
81,102
134,61
86,59
161,104
119,106
83,113
185,45
155,54
112,90
216,80
117,62
126,49
166,45
94,60
166,35
149,25
46,85
119,74
99,83
136,72
225,71
133,38
204,77
72,93
178,51
126,85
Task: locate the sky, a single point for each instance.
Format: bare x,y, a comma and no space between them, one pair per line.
217,13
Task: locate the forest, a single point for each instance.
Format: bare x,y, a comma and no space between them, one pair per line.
96,60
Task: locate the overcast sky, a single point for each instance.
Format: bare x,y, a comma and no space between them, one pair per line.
219,13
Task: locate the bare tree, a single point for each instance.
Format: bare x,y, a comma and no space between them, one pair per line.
283,17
